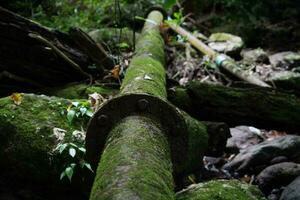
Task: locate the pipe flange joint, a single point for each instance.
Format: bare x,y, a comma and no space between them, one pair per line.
113,111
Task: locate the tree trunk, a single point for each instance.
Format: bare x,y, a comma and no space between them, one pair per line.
34,56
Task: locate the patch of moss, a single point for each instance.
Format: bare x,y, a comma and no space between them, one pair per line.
136,163
26,135
197,145
258,106
220,190
80,91
145,75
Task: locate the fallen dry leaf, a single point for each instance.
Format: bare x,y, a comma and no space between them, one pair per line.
96,100
17,98
115,72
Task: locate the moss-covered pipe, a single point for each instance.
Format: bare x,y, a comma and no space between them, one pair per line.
136,161
197,143
146,73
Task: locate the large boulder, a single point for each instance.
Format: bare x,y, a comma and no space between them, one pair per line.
262,154
292,192
225,43
254,55
278,175
243,137
284,79
31,128
287,59
222,190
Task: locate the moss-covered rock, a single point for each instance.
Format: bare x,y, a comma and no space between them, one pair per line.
225,43
26,132
254,55
29,133
80,91
287,80
287,59
220,190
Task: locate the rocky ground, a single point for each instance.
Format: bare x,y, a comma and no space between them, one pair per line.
267,158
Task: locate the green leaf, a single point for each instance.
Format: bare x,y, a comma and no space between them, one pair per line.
77,114
82,149
89,113
72,152
75,103
70,115
169,4
62,175
72,144
69,172
123,45
82,110
62,147
87,165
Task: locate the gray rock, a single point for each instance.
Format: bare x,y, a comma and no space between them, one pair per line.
292,192
254,55
220,189
278,175
287,59
262,153
225,43
284,79
242,137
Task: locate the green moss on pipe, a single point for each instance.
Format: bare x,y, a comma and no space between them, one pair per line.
135,163
197,143
146,73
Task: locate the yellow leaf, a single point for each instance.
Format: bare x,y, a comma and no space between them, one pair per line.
115,72
17,98
69,107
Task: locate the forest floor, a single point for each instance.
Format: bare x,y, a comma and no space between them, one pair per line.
266,157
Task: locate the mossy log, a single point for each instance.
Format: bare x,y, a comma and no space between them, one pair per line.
33,56
259,107
221,189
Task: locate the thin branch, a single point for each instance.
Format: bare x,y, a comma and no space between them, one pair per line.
20,79
60,53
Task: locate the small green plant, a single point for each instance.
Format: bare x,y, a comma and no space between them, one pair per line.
123,46
168,4
78,109
177,18
208,64
75,154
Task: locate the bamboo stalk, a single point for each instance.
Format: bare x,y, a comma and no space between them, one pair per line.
221,60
